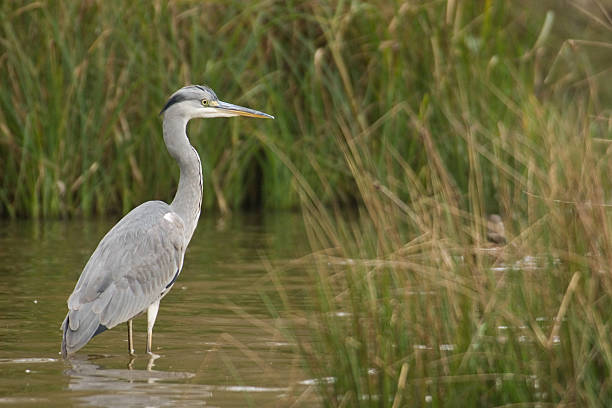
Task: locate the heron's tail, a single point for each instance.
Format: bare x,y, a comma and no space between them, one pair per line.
64,328
78,328
64,325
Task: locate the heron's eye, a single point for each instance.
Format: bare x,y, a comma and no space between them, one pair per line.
204,102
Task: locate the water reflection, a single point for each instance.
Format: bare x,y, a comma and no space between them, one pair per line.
144,387
132,387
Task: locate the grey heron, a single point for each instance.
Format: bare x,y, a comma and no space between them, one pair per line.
140,258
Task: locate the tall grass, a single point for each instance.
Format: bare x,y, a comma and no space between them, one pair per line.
82,83
412,306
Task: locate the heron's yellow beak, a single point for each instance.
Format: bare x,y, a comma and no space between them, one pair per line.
240,110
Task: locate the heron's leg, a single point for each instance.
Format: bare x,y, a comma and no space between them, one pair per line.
130,338
151,316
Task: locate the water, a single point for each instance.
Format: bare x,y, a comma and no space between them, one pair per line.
216,341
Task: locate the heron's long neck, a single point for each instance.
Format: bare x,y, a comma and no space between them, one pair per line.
188,199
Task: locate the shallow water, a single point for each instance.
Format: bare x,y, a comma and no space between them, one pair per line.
216,341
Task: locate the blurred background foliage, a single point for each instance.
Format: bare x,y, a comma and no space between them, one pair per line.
83,82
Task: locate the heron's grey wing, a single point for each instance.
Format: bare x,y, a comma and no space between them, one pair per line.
135,262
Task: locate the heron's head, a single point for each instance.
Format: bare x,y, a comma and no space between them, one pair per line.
197,101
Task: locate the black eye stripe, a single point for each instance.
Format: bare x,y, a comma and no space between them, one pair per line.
175,99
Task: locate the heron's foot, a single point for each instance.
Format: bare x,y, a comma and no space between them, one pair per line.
130,364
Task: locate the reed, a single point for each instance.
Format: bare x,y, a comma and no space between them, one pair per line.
412,305
414,308
83,82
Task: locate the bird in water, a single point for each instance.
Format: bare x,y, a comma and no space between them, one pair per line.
140,258
496,232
